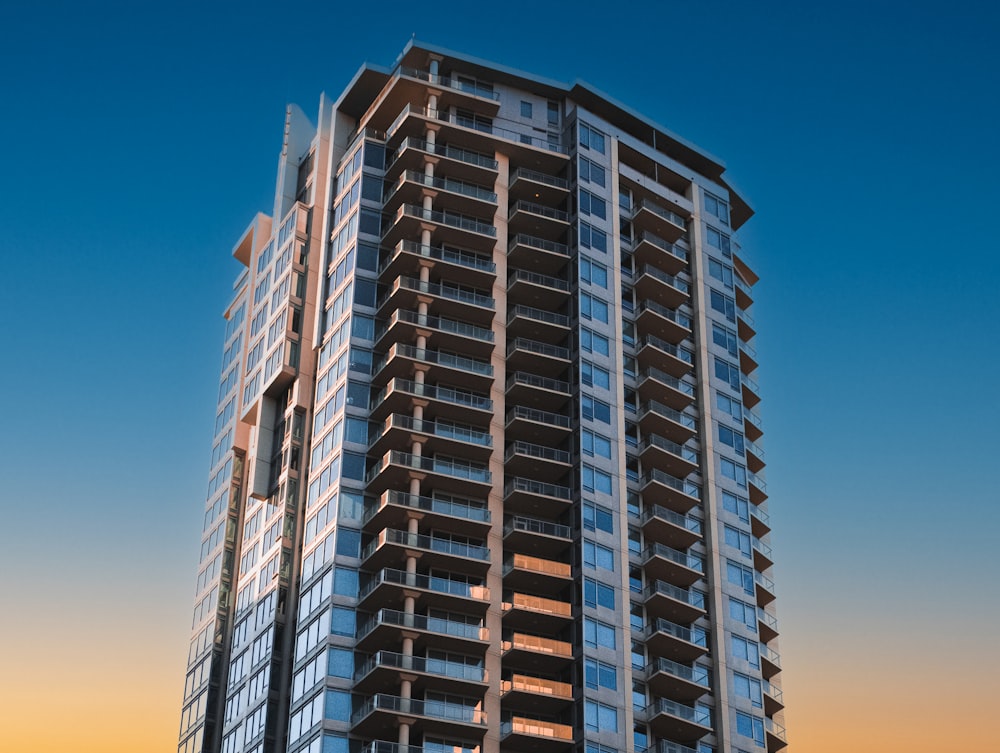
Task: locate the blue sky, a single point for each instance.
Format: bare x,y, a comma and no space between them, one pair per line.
141,140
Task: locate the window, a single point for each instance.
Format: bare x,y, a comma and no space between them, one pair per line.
723,304
747,650
594,444
719,240
597,674
597,594
726,338
599,717
734,471
593,409
740,575
590,272
721,271
738,540
338,705
594,480
729,405
738,506
591,138
743,612
748,687
596,556
597,518
594,376
526,109
729,373
591,342
591,172
731,438
717,207
750,726
552,112
591,204
598,634
592,237
593,308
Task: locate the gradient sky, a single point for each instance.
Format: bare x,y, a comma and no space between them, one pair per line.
140,140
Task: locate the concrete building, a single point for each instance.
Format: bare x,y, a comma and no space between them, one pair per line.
487,472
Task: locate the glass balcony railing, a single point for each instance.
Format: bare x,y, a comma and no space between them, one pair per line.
757,481
681,451
424,623
425,582
457,256
775,729
695,635
687,595
451,219
673,708
538,315
433,392
539,685
439,323
537,177
536,451
536,565
660,212
530,241
755,448
674,282
684,419
538,416
536,728
537,644
661,376
438,667
696,674
658,242
441,291
763,581
484,91
427,543
527,379
451,152
539,348
541,527
676,351
443,429
538,604
452,712
766,652
530,486
691,561
683,521
451,360
655,475
673,315
453,467
466,509
450,185
768,619
529,207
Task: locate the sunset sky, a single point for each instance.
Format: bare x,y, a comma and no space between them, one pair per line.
140,140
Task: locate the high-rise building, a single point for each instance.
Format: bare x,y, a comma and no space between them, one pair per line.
487,472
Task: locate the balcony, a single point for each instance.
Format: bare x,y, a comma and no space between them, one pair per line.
654,284
393,509
537,254
657,418
673,603
536,614
463,266
391,547
744,293
755,457
474,232
381,673
669,527
659,488
752,425
537,324
441,402
748,357
660,562
758,488
449,194
533,289
745,327
760,521
773,699
535,735
682,644
534,391
388,587
540,426
448,300
404,360
523,572
676,721
774,734
522,147
763,558
382,712
767,625
764,588
538,220
536,498
536,652
399,431
441,332
660,221
536,537
677,682
648,248
654,353
460,163
536,694
445,474
655,319
388,625
770,662
538,186
658,386
537,357
531,460
657,452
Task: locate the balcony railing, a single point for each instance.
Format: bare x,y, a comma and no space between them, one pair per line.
445,184
530,207
536,565
428,543
467,87
696,674
674,282
536,451
548,281
683,521
528,379
441,465
424,623
530,486
433,392
682,485
655,240
538,644
684,419
697,636
541,527
661,376
451,152
540,348
678,318
467,510
538,315
691,561
522,239
451,219
660,212
681,451
441,291
538,416
537,177
451,360
421,664
445,430
424,582
455,256
676,351
442,324
666,706
536,728
529,684
687,595
452,712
